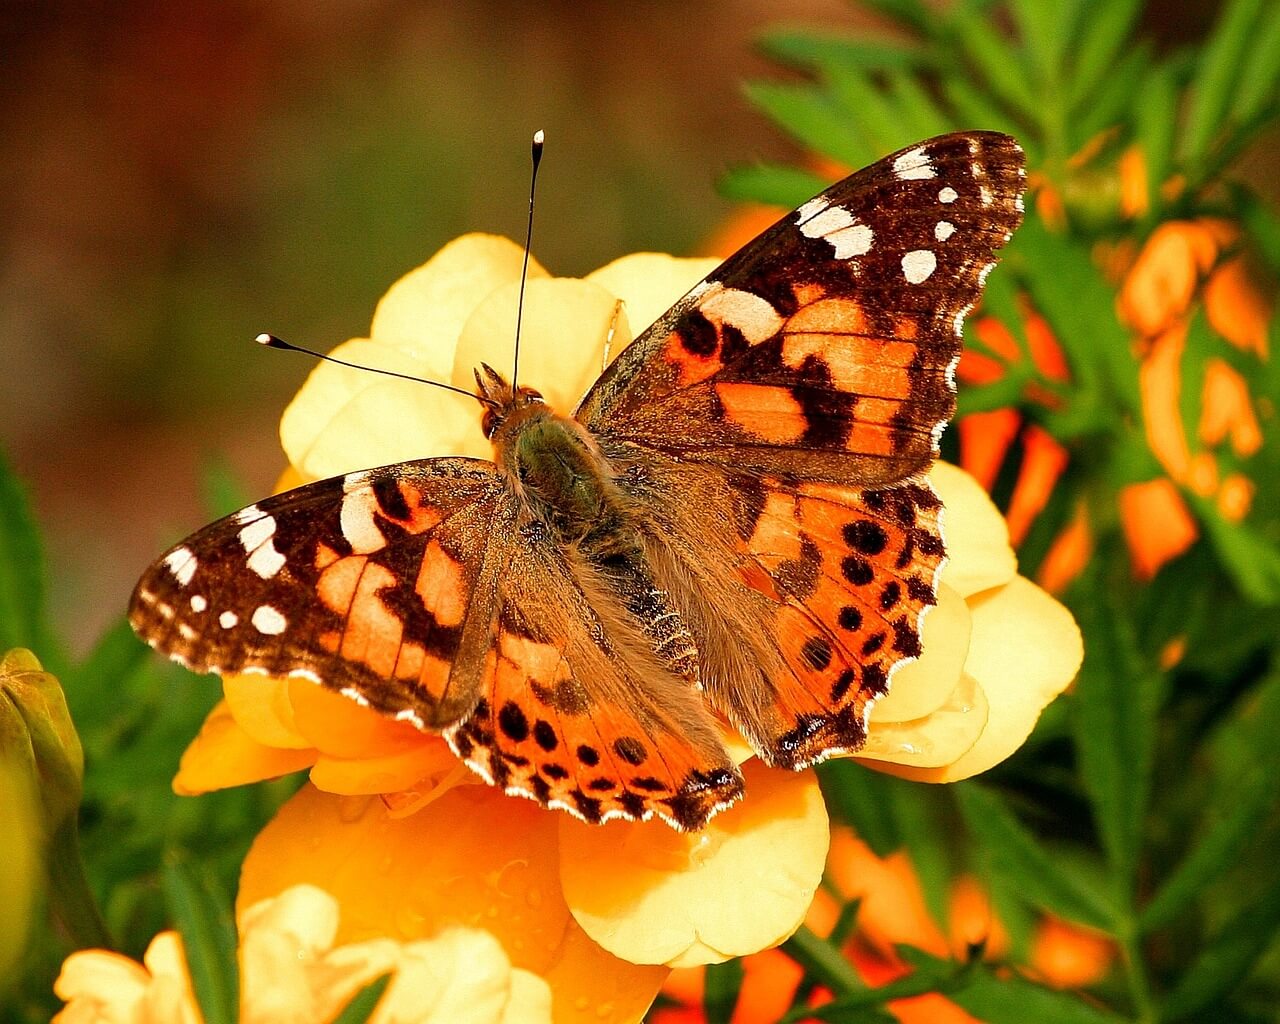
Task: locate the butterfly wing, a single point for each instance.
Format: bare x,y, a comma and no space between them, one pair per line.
579,713
774,427
826,348
380,585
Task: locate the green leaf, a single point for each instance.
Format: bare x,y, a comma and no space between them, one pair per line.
222,488
1117,699
1252,560
864,799
813,119
1106,30
1235,823
1262,225
364,1002
1112,103
1016,855
721,985
868,110
1155,114
811,49
1014,1000
1046,28
921,114
975,109
1227,960
1257,87
999,64
203,917
771,183
1216,77
22,593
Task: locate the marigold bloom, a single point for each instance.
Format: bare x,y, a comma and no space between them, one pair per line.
599,911
293,973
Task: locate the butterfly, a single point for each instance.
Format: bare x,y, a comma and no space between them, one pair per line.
735,524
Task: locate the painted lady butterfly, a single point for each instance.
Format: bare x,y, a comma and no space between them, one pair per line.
735,520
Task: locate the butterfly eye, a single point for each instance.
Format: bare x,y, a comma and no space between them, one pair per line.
530,395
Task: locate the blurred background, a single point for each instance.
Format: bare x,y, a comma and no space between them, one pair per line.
178,177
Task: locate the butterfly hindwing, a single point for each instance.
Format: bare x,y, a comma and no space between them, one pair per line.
578,712
379,585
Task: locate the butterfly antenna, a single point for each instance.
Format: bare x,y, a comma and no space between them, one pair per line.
538,139
271,341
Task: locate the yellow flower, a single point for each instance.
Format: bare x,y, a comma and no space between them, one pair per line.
411,843
293,973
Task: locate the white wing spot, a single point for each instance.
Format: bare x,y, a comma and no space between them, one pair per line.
198,603
985,193
186,632
182,563
359,522
948,195
813,207
165,611
845,235
982,274
357,479
918,264
943,230
409,715
246,515
267,620
264,559
351,693
228,620
914,165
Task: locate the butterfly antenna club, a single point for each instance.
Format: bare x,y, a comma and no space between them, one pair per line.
538,139
271,341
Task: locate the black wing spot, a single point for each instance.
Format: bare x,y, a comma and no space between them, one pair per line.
512,722
630,750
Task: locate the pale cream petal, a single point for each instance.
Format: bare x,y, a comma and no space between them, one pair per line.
978,553
530,1001
937,739
280,940
650,283
1026,649
461,976
651,895
170,997
343,420
100,987
422,314
923,685
562,337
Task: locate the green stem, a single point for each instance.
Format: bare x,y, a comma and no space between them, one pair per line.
70,897
823,962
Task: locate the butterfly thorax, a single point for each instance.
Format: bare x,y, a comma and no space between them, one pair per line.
557,471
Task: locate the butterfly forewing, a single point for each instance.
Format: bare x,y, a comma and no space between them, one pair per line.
378,584
825,348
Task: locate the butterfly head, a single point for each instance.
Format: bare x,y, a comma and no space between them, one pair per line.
499,399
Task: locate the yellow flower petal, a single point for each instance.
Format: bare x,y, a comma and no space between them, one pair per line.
343,420
562,337
423,313
978,553
938,738
340,727
651,895
223,755
649,283
474,857
1026,649
924,685
391,773
262,708
593,986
